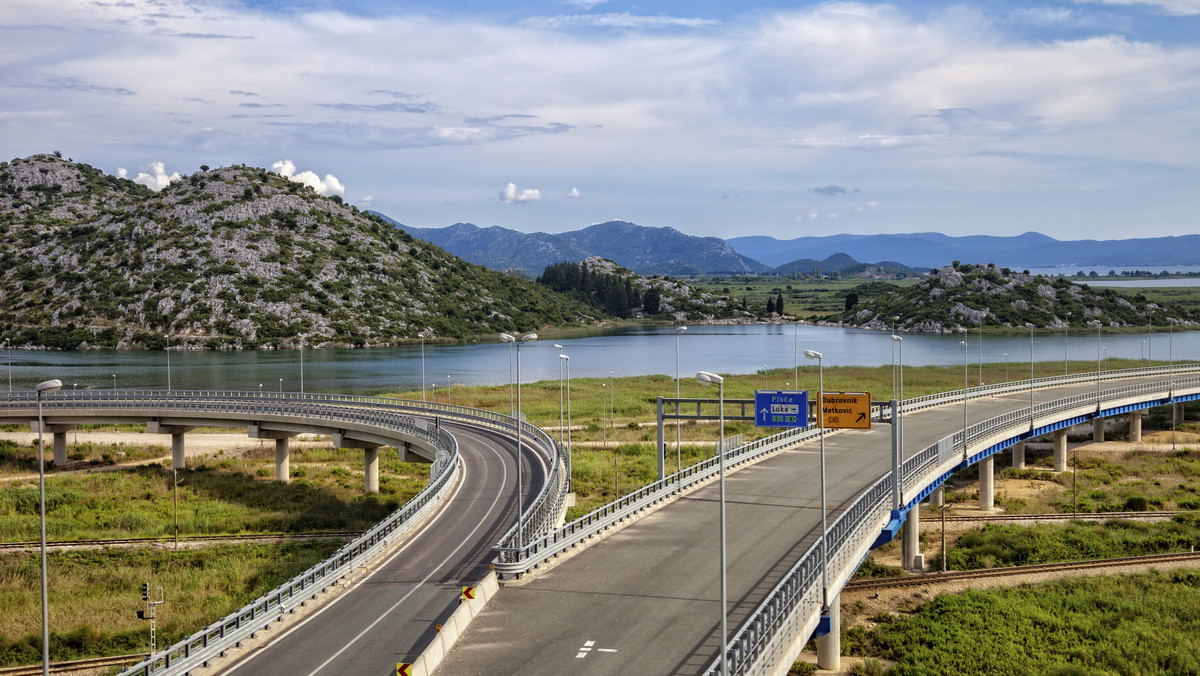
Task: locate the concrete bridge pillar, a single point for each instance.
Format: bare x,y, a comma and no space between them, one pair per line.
177,444
177,451
1018,455
1179,411
1135,425
283,459
1060,450
987,484
829,646
60,448
371,464
910,542
938,497
1097,430
283,448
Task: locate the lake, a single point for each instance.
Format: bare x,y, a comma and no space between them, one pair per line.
625,352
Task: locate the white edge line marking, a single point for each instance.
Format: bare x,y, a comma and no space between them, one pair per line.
378,568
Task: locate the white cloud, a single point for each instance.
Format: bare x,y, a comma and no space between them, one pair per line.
1172,7
812,216
509,195
365,201
573,194
156,181
616,20
329,185
831,215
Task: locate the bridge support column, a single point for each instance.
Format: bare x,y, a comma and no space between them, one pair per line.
938,497
1060,450
371,464
829,646
910,541
987,484
60,448
177,451
283,459
1018,455
1135,426
1179,411
177,446
1097,430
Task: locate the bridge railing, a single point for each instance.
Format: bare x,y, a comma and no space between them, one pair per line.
761,640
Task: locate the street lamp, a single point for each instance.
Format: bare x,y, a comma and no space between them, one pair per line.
603,420
281,385
707,378
447,389
567,359
981,350
1066,329
9,344
560,394
1006,367
168,362
527,338
897,340
260,388
423,372
679,331
813,354
48,387
894,318
302,363
612,405
963,342
114,381
1143,358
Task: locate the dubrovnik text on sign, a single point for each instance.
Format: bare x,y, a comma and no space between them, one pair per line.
847,410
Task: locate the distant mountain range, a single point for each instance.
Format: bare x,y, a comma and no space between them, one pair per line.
930,249
644,250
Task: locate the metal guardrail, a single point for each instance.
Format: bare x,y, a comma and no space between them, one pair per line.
390,417
798,594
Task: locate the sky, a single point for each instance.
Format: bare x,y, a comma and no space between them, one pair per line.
1077,119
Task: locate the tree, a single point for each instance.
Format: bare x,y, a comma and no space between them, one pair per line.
770,305
779,304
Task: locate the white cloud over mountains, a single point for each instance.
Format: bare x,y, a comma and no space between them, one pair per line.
329,185
945,106
156,180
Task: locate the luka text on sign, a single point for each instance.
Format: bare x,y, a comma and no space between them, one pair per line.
847,410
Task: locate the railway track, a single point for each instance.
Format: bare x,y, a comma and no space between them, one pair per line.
193,539
75,666
955,576
1055,518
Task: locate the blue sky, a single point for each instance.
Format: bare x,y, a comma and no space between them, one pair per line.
1075,119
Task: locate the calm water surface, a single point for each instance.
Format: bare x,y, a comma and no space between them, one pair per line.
640,351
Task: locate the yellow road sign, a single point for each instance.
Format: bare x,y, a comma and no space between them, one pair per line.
846,410
403,669
468,594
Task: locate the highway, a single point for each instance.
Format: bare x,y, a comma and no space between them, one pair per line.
644,600
391,614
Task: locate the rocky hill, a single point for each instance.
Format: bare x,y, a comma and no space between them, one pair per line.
234,257
964,295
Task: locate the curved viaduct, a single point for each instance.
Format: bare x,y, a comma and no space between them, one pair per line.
644,599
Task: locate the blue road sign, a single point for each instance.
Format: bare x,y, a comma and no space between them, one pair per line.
780,408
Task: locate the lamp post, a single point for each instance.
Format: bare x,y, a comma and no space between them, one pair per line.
527,338
302,363
603,413
8,343
281,385
813,354
708,378
423,373
560,395
897,340
1143,358
565,358
1030,377
1149,337
981,350
168,350
679,331
1066,329
48,387
764,376
114,381
894,356
963,342
447,389
612,405
1006,367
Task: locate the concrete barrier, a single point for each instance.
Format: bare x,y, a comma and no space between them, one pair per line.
454,627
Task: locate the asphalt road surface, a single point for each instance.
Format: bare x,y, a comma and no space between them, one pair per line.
390,616
645,600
